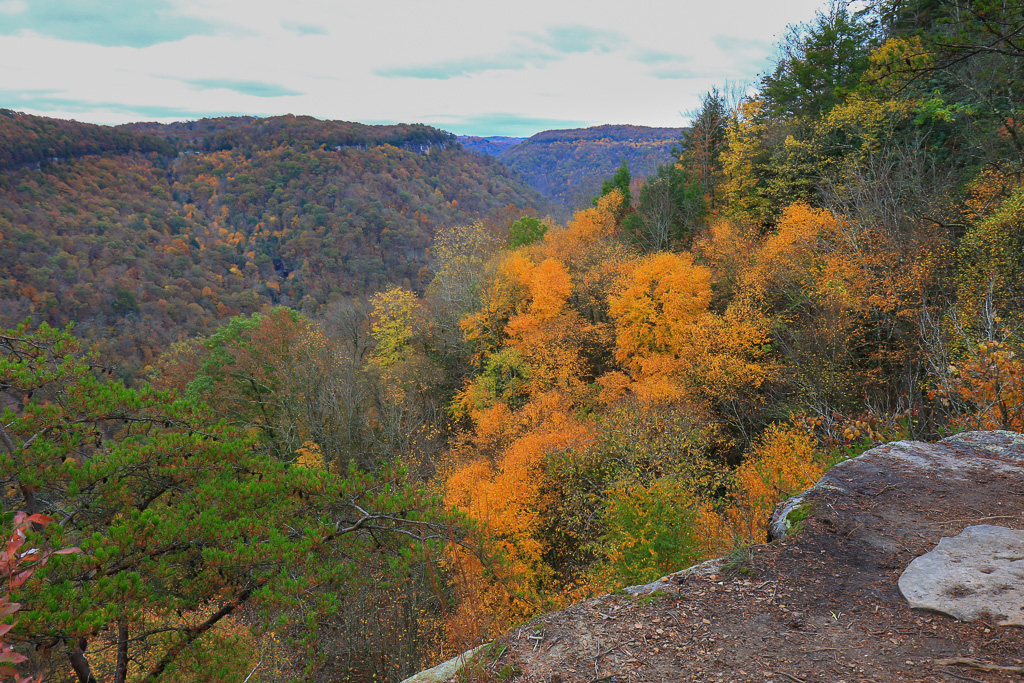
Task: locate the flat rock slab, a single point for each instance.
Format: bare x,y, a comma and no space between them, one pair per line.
979,572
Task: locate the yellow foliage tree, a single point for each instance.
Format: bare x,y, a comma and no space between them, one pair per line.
656,307
894,64
393,324
742,159
991,262
672,345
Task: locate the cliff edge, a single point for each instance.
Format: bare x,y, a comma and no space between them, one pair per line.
825,602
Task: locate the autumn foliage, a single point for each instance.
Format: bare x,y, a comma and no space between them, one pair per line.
342,402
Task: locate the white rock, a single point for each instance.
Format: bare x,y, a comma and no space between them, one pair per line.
978,572
445,671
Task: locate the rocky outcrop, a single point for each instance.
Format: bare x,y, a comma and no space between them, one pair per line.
977,573
965,459
824,603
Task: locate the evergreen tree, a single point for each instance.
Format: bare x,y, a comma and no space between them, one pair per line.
821,62
702,144
181,521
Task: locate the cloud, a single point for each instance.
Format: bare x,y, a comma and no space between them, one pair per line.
111,23
539,49
38,99
668,65
53,100
676,72
252,88
508,124
748,55
454,68
660,57
304,29
576,38
12,6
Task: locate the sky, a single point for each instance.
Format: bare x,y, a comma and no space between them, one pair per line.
472,68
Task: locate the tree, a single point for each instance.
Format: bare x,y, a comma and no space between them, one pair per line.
284,377
526,231
639,462
673,346
844,297
408,396
755,188
393,321
668,209
958,28
782,462
961,61
821,62
181,522
18,566
991,262
703,142
657,304
241,372
464,265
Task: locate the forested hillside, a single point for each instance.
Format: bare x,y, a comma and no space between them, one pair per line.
348,487
35,140
568,166
164,232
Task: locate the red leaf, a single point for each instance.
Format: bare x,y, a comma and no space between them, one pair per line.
17,539
21,577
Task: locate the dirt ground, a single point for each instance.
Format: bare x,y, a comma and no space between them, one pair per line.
820,605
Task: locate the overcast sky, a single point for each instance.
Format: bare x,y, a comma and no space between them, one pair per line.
477,68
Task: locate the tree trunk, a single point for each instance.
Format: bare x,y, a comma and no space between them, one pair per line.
79,663
121,669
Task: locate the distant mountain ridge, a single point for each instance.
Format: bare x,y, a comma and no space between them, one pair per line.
493,144
148,233
568,166
304,132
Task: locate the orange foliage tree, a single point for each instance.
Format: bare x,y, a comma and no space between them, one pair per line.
673,346
782,463
990,382
509,496
538,334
